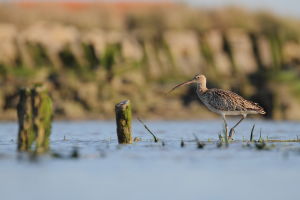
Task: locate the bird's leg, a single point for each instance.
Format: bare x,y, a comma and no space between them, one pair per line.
231,132
225,125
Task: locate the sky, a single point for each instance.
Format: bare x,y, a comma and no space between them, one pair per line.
282,7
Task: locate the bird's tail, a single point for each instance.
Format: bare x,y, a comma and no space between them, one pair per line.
260,109
262,112
257,108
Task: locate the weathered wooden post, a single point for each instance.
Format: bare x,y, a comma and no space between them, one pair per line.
26,135
123,120
35,116
42,117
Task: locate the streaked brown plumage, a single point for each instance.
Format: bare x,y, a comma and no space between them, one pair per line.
223,102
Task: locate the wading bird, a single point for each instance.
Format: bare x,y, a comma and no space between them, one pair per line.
223,102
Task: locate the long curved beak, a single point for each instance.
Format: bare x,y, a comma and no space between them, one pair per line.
181,84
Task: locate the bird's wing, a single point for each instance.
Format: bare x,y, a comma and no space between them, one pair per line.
229,101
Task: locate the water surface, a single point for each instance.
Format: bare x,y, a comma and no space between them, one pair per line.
148,170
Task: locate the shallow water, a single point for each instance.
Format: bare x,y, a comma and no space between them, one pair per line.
148,170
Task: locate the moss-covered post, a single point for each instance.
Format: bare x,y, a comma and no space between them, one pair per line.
123,120
26,135
35,117
42,117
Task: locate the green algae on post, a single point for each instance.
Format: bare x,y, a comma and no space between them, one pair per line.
35,115
42,117
123,120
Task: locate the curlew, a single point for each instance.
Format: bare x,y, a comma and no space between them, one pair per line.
223,102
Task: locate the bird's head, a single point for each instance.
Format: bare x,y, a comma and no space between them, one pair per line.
199,78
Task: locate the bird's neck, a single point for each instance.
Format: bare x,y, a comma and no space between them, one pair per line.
201,88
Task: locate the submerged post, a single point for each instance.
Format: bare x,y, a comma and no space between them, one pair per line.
42,117
123,120
26,135
35,116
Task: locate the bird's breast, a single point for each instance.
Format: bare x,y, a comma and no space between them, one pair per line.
205,100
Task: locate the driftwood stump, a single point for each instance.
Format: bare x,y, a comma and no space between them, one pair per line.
123,120
35,116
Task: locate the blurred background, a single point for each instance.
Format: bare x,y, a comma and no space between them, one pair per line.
93,54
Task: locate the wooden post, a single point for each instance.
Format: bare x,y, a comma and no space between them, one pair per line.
26,135
42,117
35,117
123,120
